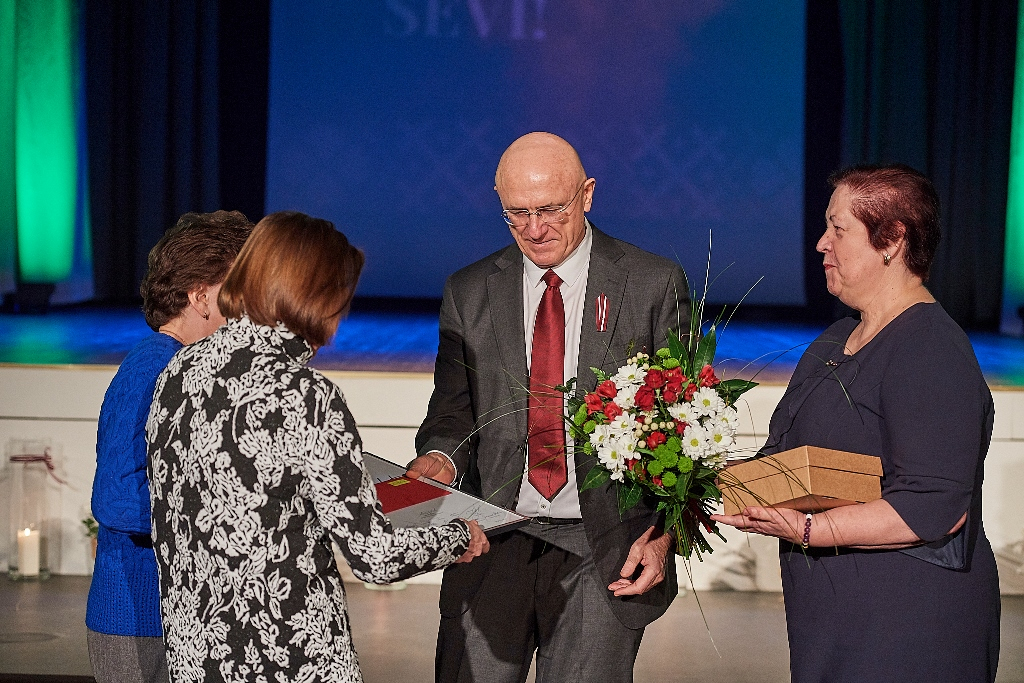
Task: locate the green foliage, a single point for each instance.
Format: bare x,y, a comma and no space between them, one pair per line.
600,374
684,464
674,443
668,480
734,388
597,476
629,496
655,468
705,354
92,529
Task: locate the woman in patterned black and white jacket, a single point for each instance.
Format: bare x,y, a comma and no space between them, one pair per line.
255,466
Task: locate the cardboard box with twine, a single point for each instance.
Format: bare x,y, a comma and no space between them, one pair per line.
808,479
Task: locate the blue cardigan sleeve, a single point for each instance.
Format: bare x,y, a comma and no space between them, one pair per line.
120,492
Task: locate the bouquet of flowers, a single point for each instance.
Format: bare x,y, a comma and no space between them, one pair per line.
662,426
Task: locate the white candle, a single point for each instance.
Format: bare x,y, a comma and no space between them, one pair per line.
28,552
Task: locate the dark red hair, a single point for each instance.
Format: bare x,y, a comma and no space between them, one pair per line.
895,201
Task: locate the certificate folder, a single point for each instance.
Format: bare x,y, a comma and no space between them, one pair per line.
425,502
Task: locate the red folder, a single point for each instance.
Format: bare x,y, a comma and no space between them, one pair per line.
400,492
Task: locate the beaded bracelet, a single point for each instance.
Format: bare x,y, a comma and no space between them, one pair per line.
807,532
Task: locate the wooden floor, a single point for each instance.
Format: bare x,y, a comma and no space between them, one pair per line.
42,633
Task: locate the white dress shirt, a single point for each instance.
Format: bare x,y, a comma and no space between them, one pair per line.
573,272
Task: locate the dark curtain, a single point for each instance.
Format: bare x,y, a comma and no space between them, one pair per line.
177,122
930,84
823,132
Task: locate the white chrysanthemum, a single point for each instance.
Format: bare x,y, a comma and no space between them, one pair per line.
730,417
626,396
601,435
695,442
614,456
630,374
721,435
623,426
715,461
707,402
683,411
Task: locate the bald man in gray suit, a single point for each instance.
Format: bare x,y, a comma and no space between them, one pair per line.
579,584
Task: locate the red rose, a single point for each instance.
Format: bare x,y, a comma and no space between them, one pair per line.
655,439
655,379
606,389
707,377
644,398
593,403
669,395
680,428
674,379
691,389
656,480
612,411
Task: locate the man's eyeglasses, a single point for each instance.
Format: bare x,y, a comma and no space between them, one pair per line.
552,215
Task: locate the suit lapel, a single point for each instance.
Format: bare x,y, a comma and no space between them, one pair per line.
505,301
605,278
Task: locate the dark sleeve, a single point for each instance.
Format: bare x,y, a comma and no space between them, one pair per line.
675,311
449,420
936,417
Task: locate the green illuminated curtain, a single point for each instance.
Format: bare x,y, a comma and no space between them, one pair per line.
43,208
1013,259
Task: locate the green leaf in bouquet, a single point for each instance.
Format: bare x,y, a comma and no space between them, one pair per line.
672,516
734,388
655,468
566,388
666,456
597,476
668,480
663,352
600,374
683,485
685,464
676,348
629,496
711,491
588,447
674,443
670,363
589,427
705,354
581,415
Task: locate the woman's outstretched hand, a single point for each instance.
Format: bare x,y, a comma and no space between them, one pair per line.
478,543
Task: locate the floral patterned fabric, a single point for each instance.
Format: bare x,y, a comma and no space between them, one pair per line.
255,466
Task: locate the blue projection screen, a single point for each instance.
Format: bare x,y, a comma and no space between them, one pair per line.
387,117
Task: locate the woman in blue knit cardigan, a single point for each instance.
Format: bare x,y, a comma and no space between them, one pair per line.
179,292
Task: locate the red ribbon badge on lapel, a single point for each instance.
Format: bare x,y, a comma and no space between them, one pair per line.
602,313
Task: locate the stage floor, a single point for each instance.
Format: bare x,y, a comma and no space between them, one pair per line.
407,342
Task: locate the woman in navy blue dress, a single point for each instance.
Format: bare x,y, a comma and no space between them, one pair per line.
903,588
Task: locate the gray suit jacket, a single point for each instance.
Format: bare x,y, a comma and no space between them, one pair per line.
477,412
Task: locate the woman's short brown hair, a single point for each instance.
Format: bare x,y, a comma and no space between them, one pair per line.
887,197
197,251
296,270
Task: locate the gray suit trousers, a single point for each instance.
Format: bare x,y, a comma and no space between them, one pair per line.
540,592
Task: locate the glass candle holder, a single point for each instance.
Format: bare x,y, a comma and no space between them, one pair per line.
29,472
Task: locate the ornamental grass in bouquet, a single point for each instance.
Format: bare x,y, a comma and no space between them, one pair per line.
662,426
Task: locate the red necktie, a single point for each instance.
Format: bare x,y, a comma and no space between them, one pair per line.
545,427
